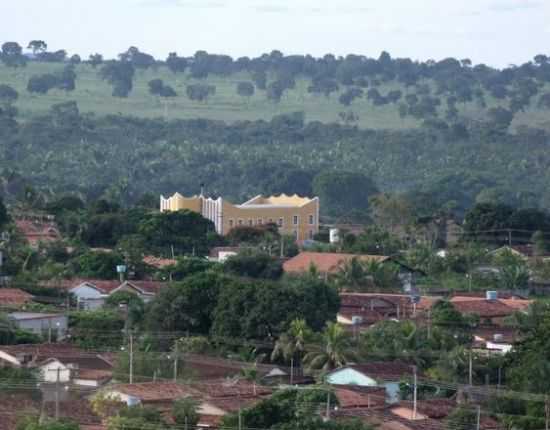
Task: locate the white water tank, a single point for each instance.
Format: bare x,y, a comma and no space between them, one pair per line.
497,337
356,320
334,235
491,295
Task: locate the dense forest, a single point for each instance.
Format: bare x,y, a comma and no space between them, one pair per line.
459,133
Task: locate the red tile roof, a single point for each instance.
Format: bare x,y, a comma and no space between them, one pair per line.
325,262
158,262
38,231
147,287
93,374
354,398
14,297
154,391
482,307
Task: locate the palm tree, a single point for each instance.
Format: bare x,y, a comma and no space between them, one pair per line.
335,352
6,330
251,374
352,275
291,345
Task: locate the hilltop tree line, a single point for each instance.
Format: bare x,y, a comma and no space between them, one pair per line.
452,81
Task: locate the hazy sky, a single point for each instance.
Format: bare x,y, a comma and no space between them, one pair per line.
495,32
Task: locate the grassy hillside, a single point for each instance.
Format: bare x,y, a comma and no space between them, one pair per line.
94,95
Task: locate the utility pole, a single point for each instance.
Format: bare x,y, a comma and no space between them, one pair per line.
478,420
328,405
499,377
429,324
176,362
509,238
131,358
470,369
546,413
57,394
415,391
291,370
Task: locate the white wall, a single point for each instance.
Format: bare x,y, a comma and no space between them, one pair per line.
49,372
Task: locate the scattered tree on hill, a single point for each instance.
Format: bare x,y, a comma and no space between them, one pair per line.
259,77
500,118
176,64
37,46
200,92
158,88
137,58
12,55
7,94
95,60
245,89
120,75
351,94
65,80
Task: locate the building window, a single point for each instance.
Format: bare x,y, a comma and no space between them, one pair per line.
250,222
295,234
310,234
230,223
280,223
311,220
260,221
240,222
295,220
270,221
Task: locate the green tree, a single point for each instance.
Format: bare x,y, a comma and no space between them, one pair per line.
353,275
245,89
188,305
540,243
342,192
12,55
35,423
335,351
96,265
7,94
254,265
462,417
185,412
185,231
137,417
96,329
37,46
291,344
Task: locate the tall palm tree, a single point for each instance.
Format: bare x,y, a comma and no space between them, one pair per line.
335,350
352,275
291,345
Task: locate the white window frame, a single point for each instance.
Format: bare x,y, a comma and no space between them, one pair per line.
239,222
250,222
231,223
295,219
281,222
311,219
260,221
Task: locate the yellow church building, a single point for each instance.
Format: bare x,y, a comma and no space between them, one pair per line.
294,215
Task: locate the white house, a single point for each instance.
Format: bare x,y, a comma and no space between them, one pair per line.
47,325
91,294
375,374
